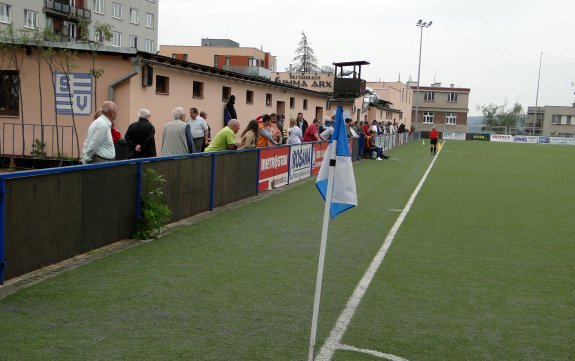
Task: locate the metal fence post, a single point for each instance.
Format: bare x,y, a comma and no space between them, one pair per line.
258,173
213,182
2,230
139,167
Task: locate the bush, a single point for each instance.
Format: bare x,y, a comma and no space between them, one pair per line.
155,213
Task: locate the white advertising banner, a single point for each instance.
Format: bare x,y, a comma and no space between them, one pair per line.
529,139
501,138
561,140
300,162
453,136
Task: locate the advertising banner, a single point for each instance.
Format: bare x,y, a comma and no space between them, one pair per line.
318,155
453,136
505,138
300,162
529,139
273,168
475,136
544,140
562,140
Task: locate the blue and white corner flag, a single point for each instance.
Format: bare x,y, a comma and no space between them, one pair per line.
337,168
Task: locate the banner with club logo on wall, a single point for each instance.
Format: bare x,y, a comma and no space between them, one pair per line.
274,168
453,136
525,139
300,162
73,93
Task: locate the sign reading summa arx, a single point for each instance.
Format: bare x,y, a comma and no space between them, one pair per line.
475,136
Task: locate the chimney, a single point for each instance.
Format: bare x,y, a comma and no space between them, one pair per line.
452,85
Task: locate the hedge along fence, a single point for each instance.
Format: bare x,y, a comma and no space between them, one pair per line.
47,216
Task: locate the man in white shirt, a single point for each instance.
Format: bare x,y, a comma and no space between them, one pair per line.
99,146
199,129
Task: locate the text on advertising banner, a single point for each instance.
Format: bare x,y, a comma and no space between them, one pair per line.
318,155
274,167
300,162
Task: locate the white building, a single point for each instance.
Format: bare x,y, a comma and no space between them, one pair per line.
134,22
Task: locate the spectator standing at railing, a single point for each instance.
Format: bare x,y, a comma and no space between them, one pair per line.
276,132
365,127
226,138
301,122
294,133
177,136
265,131
99,144
204,116
199,129
311,134
140,136
250,135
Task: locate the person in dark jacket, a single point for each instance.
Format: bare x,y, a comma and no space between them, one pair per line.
301,122
140,136
230,111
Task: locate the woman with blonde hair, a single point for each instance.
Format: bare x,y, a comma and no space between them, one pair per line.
250,135
294,133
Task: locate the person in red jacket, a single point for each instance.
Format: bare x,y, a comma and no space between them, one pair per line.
433,136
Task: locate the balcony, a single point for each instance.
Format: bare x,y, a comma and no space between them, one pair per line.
61,9
249,70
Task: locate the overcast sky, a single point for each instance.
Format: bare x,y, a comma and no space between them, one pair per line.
491,47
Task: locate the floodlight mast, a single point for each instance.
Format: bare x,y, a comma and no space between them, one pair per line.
421,24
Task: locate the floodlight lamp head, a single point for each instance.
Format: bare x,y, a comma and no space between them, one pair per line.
424,25
419,22
429,24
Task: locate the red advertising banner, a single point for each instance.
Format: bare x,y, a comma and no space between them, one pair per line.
318,155
274,168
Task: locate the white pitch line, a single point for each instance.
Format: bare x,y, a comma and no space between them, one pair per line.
395,210
336,334
385,356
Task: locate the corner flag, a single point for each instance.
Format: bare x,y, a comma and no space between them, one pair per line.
343,196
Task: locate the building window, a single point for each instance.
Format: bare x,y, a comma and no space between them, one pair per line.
292,103
428,117
134,15
226,92
5,13
162,85
9,93
69,29
117,11
452,97
198,89
116,39
227,60
252,62
150,20
451,118
133,41
429,96
557,119
98,6
183,57
216,61
150,46
305,104
249,97
98,36
268,100
30,19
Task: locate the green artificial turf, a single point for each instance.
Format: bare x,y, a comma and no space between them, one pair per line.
480,270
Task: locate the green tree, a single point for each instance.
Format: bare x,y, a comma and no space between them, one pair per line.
305,58
500,116
13,48
102,33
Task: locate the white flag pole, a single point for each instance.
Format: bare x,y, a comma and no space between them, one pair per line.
324,230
